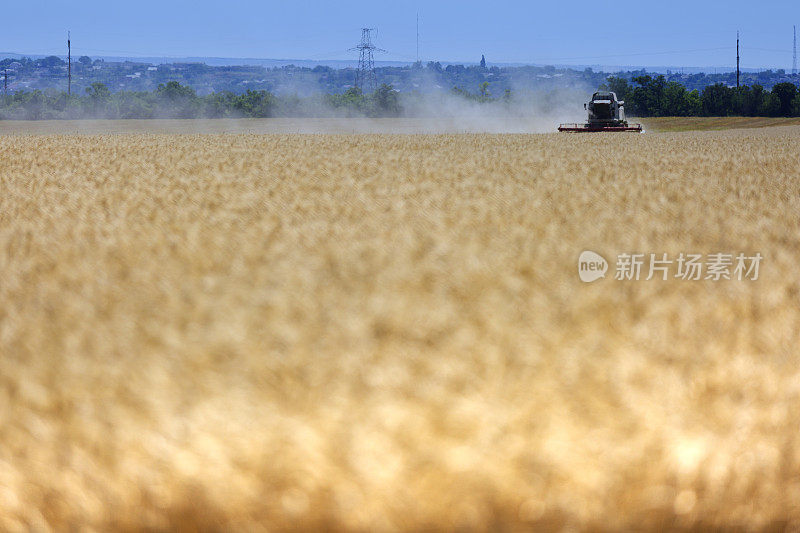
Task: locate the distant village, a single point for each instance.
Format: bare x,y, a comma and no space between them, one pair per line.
50,74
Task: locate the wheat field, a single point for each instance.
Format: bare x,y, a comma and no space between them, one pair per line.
388,332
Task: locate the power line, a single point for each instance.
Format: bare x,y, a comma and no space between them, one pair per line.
784,51
669,52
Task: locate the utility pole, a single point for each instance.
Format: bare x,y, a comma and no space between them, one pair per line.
794,50
5,84
69,65
365,77
417,37
737,59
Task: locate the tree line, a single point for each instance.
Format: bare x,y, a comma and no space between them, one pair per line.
651,96
173,100
644,96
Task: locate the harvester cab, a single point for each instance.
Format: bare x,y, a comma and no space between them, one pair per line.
606,113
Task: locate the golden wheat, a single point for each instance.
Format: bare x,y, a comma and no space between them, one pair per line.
388,332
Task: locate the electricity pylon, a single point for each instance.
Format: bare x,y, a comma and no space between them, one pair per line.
365,76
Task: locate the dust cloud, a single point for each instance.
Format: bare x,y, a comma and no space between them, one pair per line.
441,112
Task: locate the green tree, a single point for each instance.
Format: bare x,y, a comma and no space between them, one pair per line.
695,103
174,91
259,104
386,101
34,105
352,101
785,93
717,100
135,105
620,87
744,100
98,91
51,61
755,101
219,104
796,105
676,101
177,101
484,91
770,106
434,66
647,98
98,100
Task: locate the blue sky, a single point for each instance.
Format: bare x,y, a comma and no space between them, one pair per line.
677,33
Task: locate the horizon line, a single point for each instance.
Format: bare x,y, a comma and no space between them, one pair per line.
321,62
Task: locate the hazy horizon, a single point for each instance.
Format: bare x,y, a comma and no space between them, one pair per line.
345,63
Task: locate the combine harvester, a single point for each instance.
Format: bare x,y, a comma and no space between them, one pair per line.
606,113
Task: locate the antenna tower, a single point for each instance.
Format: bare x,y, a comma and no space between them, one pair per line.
794,50
365,76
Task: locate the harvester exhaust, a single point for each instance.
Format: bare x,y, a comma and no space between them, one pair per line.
606,113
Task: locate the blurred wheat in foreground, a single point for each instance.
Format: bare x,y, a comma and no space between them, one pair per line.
388,332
